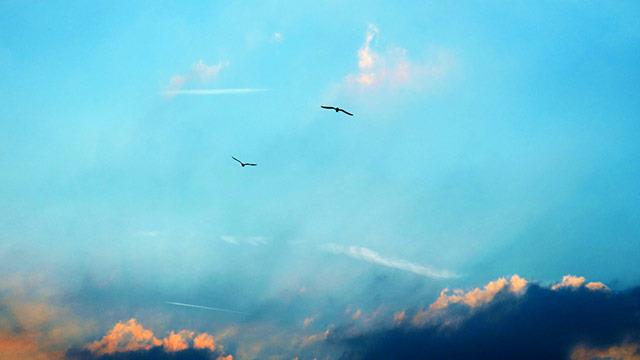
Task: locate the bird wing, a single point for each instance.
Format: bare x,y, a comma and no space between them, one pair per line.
327,107
250,164
236,160
346,112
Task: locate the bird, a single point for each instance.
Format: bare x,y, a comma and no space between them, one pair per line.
243,163
336,109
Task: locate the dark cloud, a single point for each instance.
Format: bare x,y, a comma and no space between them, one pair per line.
156,353
540,324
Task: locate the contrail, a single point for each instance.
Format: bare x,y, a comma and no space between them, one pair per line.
229,91
206,307
368,255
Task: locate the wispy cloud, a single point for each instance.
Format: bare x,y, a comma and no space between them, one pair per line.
250,240
394,68
228,91
200,72
368,255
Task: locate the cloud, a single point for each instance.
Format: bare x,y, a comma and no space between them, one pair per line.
477,296
200,72
575,282
399,317
32,326
394,68
370,256
204,341
472,299
204,72
308,321
131,339
249,240
506,319
125,336
625,351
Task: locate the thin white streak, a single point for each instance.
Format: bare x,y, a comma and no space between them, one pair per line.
368,255
230,91
205,307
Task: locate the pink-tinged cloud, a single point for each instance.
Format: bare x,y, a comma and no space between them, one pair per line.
133,336
575,282
393,68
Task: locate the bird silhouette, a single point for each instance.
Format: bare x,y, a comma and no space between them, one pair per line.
243,163
336,109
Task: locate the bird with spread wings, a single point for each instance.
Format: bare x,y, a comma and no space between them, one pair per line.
243,163
336,109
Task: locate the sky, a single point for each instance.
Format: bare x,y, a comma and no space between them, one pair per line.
491,164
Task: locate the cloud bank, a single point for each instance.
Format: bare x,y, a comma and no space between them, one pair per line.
509,319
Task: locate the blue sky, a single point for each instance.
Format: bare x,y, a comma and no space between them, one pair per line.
489,139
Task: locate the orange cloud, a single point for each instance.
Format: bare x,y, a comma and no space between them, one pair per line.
128,336
25,346
574,282
177,341
32,326
473,298
204,341
132,336
477,296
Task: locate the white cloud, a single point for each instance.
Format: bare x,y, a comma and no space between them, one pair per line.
204,72
368,255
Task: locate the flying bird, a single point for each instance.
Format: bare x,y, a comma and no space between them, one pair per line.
336,109
243,163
